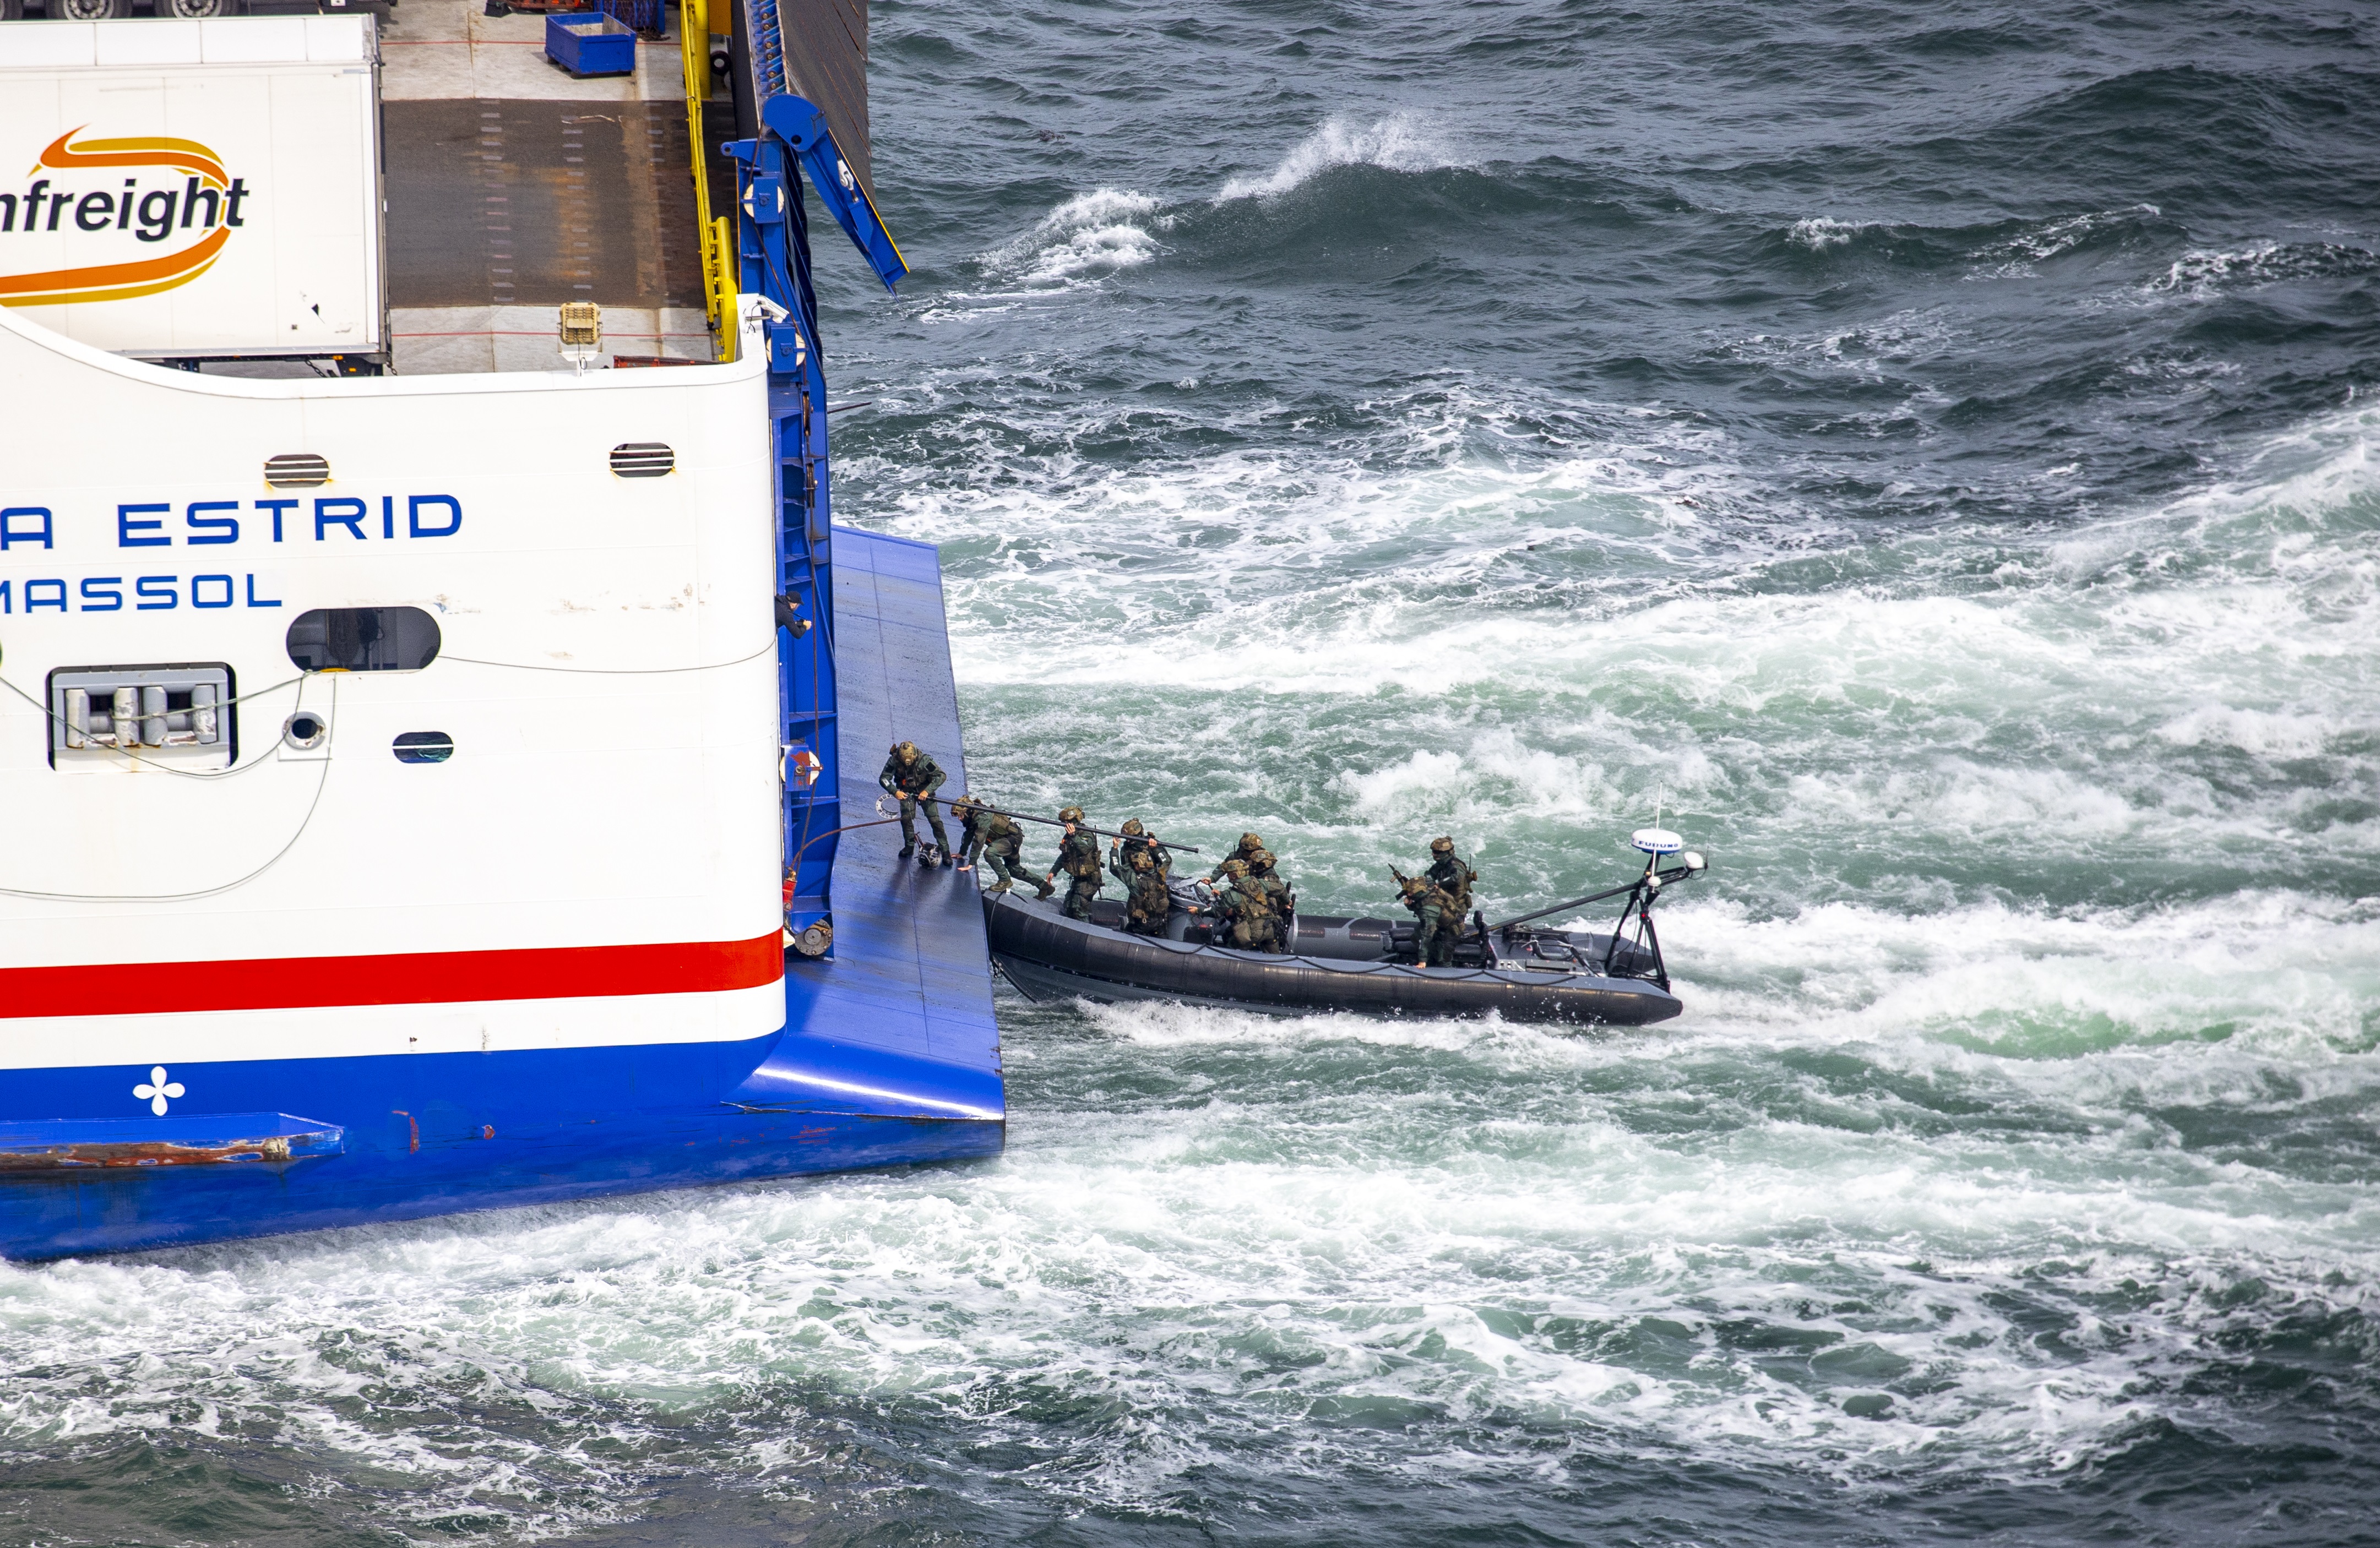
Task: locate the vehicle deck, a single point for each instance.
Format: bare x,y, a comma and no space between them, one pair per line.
514,187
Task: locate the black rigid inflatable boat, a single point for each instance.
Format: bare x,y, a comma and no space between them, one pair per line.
1335,964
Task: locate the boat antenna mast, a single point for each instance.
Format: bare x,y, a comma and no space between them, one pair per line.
1656,843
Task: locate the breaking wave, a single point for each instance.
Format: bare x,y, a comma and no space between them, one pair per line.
1819,233
1398,142
2201,274
1101,231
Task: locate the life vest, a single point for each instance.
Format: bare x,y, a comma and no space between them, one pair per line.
914,779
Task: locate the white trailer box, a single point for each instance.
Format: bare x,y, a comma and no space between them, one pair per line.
197,190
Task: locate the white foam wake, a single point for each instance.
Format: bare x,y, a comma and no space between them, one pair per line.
1104,230
1398,142
1882,1156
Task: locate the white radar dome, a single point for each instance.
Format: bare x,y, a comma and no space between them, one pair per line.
1656,840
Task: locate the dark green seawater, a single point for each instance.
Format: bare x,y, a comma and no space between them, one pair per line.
1926,448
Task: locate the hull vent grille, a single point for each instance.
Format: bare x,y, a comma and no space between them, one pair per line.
297,470
643,459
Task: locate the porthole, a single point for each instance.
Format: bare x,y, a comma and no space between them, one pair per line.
643,459
363,639
423,746
305,731
297,470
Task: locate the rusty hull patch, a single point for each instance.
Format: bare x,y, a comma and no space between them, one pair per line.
67,1146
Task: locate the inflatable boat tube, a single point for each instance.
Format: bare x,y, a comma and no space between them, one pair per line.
1338,965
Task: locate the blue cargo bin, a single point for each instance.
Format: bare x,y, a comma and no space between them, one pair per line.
588,43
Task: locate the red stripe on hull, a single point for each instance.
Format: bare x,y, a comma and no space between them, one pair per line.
412,978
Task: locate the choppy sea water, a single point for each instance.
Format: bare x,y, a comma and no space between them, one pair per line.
1926,448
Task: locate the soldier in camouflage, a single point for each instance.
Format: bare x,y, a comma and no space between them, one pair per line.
1078,856
1275,887
1002,842
913,777
1249,845
1150,900
1451,876
1137,841
1227,907
1440,922
1244,911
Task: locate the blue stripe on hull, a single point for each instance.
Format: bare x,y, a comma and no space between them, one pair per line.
437,1133
56,1216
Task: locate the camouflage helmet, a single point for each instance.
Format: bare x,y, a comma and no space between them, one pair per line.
1235,868
1261,859
1133,827
1441,846
1413,884
1249,840
961,802
1070,813
908,751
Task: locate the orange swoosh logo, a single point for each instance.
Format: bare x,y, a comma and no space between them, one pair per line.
113,282
144,151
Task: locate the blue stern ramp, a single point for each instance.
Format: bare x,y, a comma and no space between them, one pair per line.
900,1020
